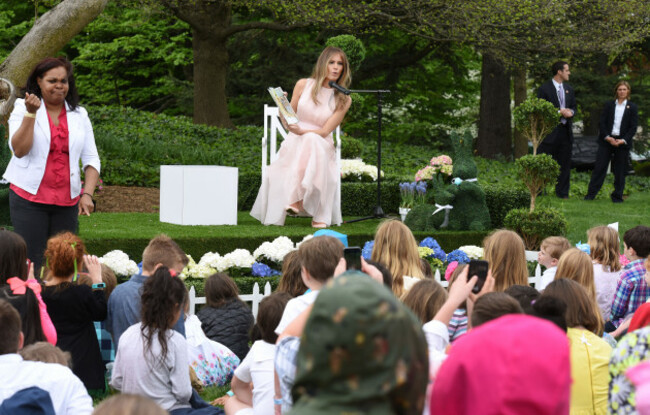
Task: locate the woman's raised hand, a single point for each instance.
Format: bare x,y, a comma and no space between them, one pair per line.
32,103
94,268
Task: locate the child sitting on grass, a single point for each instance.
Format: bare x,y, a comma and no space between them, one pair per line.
549,255
632,290
253,381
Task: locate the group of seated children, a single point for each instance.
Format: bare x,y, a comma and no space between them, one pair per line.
385,339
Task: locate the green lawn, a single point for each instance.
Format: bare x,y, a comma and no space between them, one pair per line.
130,232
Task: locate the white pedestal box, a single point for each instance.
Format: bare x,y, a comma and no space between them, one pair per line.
198,195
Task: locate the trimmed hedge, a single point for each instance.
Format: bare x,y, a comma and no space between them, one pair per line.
5,220
502,199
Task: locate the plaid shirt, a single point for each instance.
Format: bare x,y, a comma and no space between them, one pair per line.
105,342
631,292
286,357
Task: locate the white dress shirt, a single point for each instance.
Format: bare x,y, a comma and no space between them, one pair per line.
618,117
68,394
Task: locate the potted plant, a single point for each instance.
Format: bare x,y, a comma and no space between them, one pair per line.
413,193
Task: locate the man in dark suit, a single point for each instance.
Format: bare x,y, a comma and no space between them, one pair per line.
560,141
618,124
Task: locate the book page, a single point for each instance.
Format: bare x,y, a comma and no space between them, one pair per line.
283,105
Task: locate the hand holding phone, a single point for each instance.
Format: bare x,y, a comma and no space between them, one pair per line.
480,269
352,257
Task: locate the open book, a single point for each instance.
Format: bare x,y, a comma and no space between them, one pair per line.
286,110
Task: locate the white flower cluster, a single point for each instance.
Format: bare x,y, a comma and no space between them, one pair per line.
472,251
239,258
357,168
276,250
305,239
120,263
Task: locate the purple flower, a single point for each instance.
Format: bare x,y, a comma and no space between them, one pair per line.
263,270
366,252
438,253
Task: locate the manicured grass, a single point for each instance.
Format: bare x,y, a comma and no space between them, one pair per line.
583,215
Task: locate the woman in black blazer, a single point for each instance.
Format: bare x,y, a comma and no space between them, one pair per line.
618,124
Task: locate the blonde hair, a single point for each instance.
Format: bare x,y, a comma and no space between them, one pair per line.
396,247
46,352
320,72
506,254
605,247
577,266
581,310
125,404
555,246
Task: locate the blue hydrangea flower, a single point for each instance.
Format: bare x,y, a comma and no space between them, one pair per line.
263,270
438,253
459,256
366,252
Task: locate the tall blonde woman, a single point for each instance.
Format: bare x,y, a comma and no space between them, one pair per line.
303,180
396,248
505,252
605,250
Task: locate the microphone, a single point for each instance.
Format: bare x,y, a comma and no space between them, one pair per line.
338,87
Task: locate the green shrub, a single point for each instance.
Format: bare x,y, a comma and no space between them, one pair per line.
536,172
350,147
533,227
5,220
535,118
502,199
352,47
360,199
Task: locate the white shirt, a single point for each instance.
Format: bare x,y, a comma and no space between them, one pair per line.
69,396
605,282
618,117
257,367
167,383
294,307
547,277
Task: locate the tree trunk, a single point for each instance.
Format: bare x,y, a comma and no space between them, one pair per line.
50,33
591,118
210,72
519,81
494,125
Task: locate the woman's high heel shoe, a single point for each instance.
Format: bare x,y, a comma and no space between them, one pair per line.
291,211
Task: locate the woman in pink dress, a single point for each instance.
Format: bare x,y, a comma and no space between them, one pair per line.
304,179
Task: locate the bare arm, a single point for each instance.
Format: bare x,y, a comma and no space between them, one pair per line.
242,390
329,125
86,202
23,139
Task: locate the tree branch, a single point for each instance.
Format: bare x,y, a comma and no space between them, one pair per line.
262,25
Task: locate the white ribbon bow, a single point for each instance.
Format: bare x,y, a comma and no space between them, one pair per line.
446,208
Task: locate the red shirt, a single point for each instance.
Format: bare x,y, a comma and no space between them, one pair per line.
55,186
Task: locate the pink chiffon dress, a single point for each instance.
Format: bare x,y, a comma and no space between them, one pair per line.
305,168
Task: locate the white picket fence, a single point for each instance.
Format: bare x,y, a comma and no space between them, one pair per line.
256,296
253,298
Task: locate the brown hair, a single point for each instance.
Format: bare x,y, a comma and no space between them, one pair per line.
426,268
220,289
605,247
63,252
320,72
396,247
525,295
269,315
13,256
291,280
638,238
555,246
125,404
44,66
577,266
425,299
108,278
491,306
629,89
9,328
581,309
320,255
162,250
506,254
46,352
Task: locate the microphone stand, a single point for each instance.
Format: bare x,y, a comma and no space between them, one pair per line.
378,212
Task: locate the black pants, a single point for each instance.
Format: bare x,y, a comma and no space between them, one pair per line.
560,149
607,153
36,222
